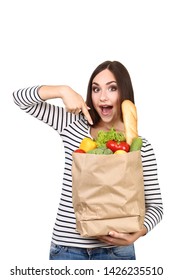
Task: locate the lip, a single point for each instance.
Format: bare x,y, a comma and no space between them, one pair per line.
105,105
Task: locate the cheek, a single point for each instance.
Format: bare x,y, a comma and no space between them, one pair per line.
94,99
116,100
116,104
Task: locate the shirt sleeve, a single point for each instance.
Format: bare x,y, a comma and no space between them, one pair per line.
153,199
28,99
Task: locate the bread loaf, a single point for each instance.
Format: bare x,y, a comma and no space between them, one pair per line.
130,121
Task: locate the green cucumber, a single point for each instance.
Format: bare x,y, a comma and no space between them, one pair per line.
136,144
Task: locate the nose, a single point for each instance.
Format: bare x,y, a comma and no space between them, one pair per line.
103,96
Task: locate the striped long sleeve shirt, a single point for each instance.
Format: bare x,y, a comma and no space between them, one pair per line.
72,129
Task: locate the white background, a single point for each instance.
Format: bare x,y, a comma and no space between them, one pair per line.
61,42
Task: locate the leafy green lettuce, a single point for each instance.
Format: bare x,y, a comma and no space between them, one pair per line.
105,136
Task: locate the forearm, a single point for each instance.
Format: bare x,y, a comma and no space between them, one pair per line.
50,92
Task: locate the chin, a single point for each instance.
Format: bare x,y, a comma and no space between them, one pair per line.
107,119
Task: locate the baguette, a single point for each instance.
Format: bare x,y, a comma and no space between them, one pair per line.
129,114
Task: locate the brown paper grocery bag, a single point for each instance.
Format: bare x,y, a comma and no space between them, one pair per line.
108,193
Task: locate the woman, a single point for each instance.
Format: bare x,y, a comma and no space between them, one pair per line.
108,86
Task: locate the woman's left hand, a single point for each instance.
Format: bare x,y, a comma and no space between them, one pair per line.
122,239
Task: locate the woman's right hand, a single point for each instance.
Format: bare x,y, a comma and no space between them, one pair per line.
74,103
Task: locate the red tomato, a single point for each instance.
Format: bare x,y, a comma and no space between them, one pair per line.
79,151
115,146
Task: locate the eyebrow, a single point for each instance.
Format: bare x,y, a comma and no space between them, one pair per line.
106,83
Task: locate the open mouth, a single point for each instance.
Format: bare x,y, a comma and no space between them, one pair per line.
106,109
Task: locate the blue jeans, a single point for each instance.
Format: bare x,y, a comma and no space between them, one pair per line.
58,252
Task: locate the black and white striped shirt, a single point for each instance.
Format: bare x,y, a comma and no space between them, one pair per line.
72,129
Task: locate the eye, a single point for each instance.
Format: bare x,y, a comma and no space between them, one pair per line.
113,88
95,89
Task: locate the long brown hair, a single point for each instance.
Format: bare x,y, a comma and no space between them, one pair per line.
123,82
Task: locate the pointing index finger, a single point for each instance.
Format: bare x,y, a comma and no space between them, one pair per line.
86,113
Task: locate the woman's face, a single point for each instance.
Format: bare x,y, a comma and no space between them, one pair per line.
105,97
